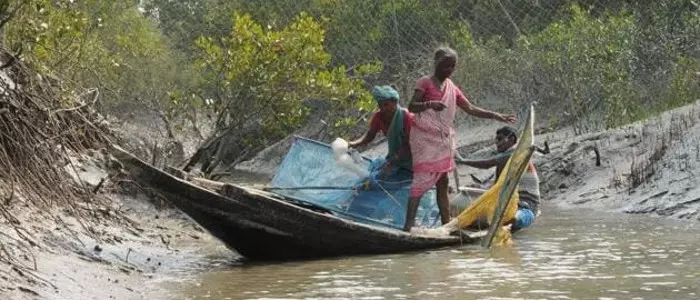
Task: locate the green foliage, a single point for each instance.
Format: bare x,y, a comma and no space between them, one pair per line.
685,85
592,69
685,65
263,76
148,67
52,35
183,21
104,44
391,29
593,59
588,62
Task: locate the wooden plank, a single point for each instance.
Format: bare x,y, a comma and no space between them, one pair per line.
177,173
207,184
297,188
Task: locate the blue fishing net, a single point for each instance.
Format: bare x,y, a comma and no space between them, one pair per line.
310,174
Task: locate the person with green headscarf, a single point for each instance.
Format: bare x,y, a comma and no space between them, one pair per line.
394,122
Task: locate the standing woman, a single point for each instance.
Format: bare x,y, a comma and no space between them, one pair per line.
394,122
432,136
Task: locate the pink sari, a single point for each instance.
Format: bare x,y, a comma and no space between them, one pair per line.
432,138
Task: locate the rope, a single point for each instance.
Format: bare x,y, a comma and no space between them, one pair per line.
390,195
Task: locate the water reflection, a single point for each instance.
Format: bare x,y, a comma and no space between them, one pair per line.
567,255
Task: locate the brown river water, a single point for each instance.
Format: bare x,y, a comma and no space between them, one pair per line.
565,255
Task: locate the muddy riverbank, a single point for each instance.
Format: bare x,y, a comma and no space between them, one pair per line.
131,239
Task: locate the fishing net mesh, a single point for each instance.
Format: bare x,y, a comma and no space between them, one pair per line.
310,174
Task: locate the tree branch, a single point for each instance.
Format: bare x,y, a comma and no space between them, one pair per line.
510,19
11,14
13,58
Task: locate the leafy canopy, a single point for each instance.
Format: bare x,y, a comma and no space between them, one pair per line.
263,76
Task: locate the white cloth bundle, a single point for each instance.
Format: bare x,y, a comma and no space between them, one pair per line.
340,149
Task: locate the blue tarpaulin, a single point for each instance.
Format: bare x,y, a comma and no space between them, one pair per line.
310,174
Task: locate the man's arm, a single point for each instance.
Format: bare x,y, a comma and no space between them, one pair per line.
481,164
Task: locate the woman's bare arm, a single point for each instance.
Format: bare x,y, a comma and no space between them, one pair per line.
417,105
366,138
479,112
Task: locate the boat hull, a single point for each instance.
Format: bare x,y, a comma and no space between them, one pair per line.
262,226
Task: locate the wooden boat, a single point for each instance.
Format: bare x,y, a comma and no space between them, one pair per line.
262,226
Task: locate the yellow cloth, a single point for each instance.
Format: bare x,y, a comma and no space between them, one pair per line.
486,204
508,181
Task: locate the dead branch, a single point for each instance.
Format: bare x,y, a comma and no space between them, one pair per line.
37,136
98,186
96,94
154,153
13,58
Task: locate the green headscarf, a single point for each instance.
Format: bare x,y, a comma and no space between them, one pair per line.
384,93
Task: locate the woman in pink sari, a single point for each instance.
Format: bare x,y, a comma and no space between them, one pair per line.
432,137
